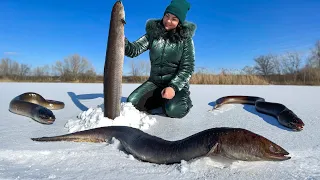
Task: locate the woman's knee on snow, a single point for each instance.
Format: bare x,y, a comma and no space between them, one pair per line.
176,110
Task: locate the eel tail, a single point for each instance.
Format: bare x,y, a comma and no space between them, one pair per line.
97,135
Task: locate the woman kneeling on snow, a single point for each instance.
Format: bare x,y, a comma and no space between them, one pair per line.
172,62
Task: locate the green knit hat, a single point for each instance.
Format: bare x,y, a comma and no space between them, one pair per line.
178,8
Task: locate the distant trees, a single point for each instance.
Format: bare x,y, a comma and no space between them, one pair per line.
287,63
41,71
287,68
138,71
24,69
5,67
264,64
139,68
74,68
314,59
10,68
249,70
278,65
291,62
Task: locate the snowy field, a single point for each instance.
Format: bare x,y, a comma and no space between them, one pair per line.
22,158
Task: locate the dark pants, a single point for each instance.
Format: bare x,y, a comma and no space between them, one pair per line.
148,96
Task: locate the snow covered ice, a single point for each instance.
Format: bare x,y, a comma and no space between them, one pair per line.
22,158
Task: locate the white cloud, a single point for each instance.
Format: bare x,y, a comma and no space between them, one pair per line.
10,53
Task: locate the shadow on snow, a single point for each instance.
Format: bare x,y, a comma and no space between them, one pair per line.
76,99
267,118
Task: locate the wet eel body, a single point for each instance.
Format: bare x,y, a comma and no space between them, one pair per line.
285,116
233,143
36,107
114,62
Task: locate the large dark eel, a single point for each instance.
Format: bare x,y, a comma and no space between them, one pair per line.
233,143
285,116
36,107
114,62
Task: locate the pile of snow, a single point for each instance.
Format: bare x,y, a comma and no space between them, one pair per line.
94,117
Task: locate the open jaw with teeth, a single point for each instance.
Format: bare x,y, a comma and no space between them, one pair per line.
280,155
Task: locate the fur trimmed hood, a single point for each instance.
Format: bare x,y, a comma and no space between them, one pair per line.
155,30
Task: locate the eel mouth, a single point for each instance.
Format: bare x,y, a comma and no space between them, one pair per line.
277,153
278,156
48,121
297,126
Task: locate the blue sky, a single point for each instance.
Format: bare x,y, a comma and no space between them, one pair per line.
230,33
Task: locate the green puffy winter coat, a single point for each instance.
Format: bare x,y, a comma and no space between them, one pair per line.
171,54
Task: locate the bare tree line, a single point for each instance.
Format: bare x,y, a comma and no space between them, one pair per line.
314,59
289,65
75,68
287,68
139,68
276,69
270,64
72,68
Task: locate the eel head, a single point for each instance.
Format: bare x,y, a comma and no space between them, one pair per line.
242,144
290,120
44,115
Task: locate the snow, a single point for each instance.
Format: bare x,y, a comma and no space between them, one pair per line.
22,158
94,117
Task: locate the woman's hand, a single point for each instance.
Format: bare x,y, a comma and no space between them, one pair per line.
168,93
